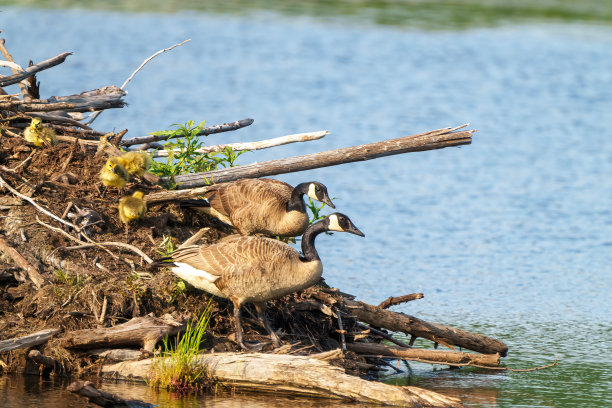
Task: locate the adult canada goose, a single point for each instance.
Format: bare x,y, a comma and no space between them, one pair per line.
114,174
256,269
265,206
36,133
132,207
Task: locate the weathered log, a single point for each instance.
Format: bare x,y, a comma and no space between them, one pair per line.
262,144
30,340
103,398
294,376
143,332
33,273
117,354
31,70
436,139
430,356
226,127
98,99
400,322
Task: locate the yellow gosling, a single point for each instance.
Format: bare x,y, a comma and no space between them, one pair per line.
132,207
36,132
135,162
114,174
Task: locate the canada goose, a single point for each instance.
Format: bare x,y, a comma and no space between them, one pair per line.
256,269
132,207
135,162
114,174
36,132
265,206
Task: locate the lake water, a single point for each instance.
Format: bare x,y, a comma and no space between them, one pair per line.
510,236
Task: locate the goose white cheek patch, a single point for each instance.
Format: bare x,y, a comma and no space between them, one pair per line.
311,192
333,223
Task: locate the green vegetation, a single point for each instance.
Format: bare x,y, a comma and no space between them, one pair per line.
166,247
426,14
315,209
183,143
177,368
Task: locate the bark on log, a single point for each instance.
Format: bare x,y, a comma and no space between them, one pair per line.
143,332
262,144
294,376
436,139
399,322
103,398
41,359
392,301
29,71
97,99
30,340
431,356
33,274
226,127
117,354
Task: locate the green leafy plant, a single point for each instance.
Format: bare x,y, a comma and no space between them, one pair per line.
315,209
177,367
166,247
182,145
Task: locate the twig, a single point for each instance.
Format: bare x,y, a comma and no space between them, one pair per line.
103,311
14,69
341,330
116,244
29,71
262,144
225,127
95,115
392,301
195,237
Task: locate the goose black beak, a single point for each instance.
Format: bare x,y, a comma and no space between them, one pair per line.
354,230
327,201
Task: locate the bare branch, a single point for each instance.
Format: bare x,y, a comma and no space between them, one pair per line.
262,144
204,132
29,71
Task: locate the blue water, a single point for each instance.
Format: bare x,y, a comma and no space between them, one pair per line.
510,236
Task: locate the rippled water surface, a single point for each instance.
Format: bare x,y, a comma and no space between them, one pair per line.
510,236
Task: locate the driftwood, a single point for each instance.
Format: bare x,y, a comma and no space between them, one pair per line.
436,139
392,301
41,359
117,354
98,99
262,144
33,273
399,322
29,71
9,58
103,398
30,340
429,356
226,127
293,376
144,332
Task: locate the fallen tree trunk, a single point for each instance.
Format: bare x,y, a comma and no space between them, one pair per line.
293,376
436,139
226,127
33,274
29,71
429,356
30,340
262,144
143,332
399,322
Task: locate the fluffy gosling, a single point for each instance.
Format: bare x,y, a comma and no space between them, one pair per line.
113,174
132,207
136,163
36,133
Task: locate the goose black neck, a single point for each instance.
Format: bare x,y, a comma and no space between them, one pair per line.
309,252
296,203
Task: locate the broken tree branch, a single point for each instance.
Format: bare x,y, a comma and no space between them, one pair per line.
434,356
23,263
399,322
97,99
262,144
436,139
226,127
14,69
29,71
392,301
